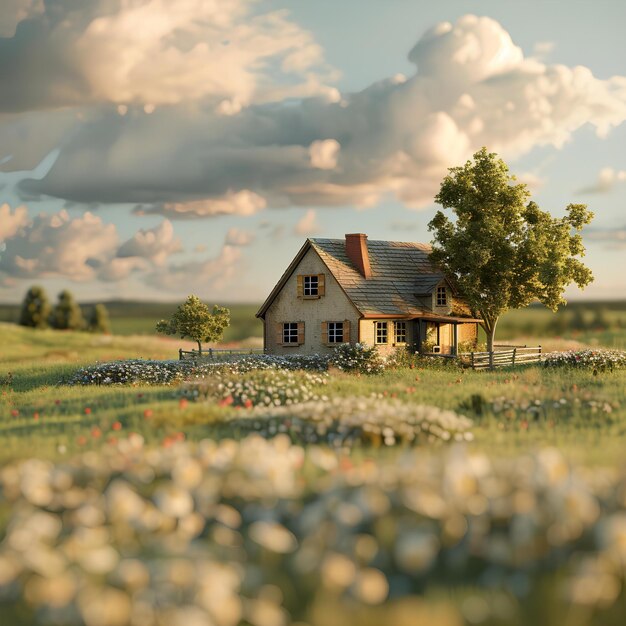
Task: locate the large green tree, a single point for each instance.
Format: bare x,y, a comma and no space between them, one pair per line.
67,314
501,250
35,308
194,320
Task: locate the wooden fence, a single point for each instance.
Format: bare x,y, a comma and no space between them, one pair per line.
213,353
502,356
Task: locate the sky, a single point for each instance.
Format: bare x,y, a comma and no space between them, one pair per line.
154,148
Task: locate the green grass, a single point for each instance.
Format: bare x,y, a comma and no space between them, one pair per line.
34,363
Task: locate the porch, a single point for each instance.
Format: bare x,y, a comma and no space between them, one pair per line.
442,335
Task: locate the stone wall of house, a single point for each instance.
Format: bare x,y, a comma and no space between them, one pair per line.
334,306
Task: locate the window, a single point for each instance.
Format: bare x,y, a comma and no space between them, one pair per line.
311,284
335,332
400,332
290,332
381,332
442,296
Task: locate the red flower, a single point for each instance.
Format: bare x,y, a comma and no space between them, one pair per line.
248,404
147,413
112,440
87,410
117,426
96,432
182,403
36,415
81,440
57,402
15,412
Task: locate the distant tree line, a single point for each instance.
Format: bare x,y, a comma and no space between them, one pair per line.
66,314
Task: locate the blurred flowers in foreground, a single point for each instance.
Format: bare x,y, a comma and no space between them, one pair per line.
267,533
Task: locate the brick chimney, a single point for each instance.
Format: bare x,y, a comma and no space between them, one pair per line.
356,249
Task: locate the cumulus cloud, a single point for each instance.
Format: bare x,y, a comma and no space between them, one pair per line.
155,52
324,154
80,249
307,225
244,202
12,222
472,87
214,272
608,177
57,245
155,244
238,237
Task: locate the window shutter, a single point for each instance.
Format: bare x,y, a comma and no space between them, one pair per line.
300,333
324,332
321,284
300,286
279,334
346,331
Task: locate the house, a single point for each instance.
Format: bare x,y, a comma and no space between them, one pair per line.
383,293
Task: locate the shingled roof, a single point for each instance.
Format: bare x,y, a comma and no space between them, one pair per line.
401,272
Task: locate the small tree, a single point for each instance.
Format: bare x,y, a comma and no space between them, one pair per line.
502,251
194,320
35,308
66,314
98,321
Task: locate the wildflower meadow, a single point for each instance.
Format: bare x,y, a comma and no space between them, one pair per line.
339,489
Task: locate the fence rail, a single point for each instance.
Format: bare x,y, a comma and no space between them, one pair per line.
507,357
212,353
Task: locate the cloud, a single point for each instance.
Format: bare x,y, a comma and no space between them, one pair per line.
214,272
607,179
156,244
57,245
244,202
307,224
324,154
11,223
543,48
612,238
155,52
80,249
472,87
238,237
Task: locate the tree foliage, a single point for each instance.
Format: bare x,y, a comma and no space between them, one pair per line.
35,308
67,315
98,321
502,251
194,320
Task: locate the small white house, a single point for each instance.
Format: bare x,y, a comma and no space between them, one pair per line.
383,293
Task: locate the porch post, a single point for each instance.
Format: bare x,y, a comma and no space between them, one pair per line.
455,339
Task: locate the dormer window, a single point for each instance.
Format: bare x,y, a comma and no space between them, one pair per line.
442,296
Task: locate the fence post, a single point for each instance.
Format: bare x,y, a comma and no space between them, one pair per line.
539,353
473,361
180,354
514,351
210,353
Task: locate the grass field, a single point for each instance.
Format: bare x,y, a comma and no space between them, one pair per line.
312,535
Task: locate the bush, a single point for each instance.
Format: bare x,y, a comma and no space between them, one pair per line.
134,371
403,358
596,360
357,358
271,387
345,422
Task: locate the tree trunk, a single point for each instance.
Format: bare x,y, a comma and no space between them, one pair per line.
199,348
490,330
